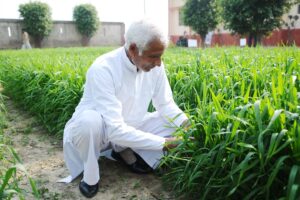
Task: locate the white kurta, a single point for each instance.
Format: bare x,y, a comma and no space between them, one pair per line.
121,95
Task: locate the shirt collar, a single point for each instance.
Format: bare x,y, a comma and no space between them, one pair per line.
128,63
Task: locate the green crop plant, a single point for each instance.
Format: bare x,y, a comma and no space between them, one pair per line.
11,165
48,85
243,104
245,110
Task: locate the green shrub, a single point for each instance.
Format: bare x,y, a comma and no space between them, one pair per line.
86,20
36,20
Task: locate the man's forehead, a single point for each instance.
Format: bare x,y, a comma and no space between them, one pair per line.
155,46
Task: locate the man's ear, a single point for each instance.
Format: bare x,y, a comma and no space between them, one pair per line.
133,50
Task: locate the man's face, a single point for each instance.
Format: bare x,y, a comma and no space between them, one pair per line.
150,58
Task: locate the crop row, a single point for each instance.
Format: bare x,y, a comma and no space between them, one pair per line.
243,104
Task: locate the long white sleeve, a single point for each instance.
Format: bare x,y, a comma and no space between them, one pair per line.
163,100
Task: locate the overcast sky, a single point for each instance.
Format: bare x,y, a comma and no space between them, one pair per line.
108,10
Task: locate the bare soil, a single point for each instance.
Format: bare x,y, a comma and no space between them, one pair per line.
42,156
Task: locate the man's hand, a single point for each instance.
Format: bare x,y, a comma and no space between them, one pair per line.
186,124
171,143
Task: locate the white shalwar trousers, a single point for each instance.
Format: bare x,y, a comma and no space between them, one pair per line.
85,137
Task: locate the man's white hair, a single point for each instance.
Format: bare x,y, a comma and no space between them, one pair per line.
142,33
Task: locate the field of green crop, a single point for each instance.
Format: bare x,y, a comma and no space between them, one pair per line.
243,104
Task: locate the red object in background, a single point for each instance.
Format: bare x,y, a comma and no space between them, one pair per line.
276,38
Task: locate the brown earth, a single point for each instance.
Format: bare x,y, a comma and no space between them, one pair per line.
42,156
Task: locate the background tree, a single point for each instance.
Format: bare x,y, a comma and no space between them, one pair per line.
37,20
87,21
254,18
201,16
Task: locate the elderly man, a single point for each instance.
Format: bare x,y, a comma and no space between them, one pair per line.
113,113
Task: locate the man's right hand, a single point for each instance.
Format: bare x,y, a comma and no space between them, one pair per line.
171,143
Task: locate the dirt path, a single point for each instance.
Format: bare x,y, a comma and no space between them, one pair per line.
43,158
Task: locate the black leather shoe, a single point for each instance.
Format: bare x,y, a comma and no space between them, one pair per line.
88,190
139,166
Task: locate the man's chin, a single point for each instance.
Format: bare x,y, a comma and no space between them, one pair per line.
147,69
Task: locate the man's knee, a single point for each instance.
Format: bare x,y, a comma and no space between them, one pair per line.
89,124
90,120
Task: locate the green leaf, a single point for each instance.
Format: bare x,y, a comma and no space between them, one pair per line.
293,183
278,165
9,173
249,146
258,116
273,119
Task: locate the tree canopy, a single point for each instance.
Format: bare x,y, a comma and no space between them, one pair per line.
201,16
36,20
86,20
254,18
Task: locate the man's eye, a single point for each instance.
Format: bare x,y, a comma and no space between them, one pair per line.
154,56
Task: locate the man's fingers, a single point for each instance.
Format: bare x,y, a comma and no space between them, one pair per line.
181,138
192,138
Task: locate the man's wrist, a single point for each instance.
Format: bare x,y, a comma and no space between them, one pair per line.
171,143
165,148
185,124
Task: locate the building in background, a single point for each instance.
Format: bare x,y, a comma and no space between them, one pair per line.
176,27
286,35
